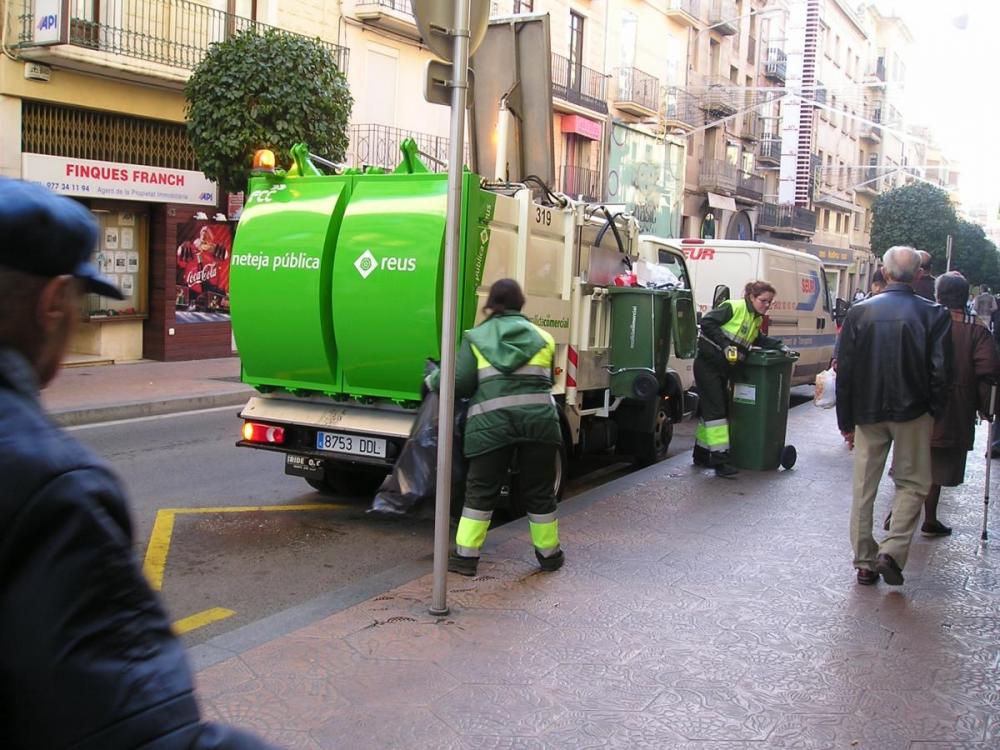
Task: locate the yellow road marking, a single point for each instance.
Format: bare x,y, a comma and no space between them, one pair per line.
201,619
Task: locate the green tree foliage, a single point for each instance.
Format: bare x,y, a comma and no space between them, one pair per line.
975,255
268,90
918,215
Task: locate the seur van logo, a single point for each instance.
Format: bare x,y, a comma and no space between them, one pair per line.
367,264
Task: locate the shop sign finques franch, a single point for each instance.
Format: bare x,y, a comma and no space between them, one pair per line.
86,178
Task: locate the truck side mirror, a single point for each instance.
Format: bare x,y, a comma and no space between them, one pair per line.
720,296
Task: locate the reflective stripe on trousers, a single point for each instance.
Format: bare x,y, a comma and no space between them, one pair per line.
544,533
472,528
504,402
713,435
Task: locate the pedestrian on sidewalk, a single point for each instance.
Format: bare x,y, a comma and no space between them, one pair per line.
975,364
985,305
505,367
87,657
893,375
924,285
726,335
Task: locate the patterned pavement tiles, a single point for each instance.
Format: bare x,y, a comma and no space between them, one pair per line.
693,613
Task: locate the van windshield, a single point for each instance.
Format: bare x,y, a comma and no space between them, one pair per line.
674,264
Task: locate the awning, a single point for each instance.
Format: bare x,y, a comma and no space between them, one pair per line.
581,126
721,201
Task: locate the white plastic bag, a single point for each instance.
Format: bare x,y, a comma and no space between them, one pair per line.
826,389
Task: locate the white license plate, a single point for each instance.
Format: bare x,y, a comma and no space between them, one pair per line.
354,445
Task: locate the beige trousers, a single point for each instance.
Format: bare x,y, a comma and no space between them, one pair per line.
911,443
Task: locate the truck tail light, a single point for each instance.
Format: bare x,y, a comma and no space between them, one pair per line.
255,432
765,324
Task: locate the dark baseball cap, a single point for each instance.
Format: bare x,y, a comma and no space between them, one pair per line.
49,235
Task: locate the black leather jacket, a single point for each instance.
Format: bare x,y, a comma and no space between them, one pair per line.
894,360
87,658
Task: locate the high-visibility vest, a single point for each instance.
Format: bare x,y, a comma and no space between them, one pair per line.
743,328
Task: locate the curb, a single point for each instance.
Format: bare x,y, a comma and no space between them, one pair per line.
137,409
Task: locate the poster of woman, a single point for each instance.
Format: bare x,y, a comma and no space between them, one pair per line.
203,253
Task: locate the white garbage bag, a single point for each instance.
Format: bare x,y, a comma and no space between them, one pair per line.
826,389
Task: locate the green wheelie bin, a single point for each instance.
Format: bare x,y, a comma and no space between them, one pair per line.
640,341
758,411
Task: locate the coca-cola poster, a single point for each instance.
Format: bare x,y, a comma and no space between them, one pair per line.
203,252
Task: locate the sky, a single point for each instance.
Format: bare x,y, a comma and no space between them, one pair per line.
951,85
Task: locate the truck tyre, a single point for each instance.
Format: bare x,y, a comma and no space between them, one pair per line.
652,447
339,482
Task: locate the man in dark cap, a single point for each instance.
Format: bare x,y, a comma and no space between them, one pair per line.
87,657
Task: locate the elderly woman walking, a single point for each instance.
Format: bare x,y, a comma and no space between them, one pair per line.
975,363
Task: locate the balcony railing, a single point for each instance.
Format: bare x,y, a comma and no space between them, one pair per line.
770,149
723,17
400,6
684,11
750,128
787,217
866,180
776,64
880,69
680,107
872,132
578,182
374,145
170,32
636,91
720,95
718,176
579,84
750,187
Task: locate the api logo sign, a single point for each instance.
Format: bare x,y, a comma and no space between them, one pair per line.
365,264
46,23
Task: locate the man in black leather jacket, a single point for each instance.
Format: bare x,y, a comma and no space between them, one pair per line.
87,658
893,370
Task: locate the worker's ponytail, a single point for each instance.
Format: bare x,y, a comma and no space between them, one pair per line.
505,296
757,288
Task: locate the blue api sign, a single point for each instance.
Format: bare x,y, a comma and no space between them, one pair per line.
48,22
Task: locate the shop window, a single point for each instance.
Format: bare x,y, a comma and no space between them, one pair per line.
122,253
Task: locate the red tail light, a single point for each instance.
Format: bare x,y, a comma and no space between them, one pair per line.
765,324
254,432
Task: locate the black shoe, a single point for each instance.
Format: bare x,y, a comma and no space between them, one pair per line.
867,577
549,564
888,521
726,471
464,566
886,567
935,529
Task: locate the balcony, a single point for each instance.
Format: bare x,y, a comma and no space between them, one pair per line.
770,150
373,145
580,183
723,18
866,181
392,15
750,128
684,12
820,93
787,218
720,96
872,132
750,187
717,176
636,92
578,84
775,65
170,36
680,109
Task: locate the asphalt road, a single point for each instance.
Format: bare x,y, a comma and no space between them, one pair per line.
229,539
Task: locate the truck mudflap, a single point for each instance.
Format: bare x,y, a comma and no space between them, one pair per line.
318,431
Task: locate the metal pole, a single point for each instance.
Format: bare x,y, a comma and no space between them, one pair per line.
989,461
947,245
446,415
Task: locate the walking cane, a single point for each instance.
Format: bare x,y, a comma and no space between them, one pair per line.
989,451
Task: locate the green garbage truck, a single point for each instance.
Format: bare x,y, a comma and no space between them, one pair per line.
336,296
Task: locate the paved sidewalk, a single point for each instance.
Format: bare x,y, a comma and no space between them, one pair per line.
82,395
693,612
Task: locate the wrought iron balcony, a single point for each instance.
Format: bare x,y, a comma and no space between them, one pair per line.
581,183
866,180
787,218
872,132
776,64
685,12
719,96
750,129
174,33
770,149
718,176
636,92
680,108
392,15
722,16
750,187
373,145
579,84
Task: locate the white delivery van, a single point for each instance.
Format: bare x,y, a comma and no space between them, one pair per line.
802,313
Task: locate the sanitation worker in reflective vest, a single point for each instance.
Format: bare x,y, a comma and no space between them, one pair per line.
726,335
505,367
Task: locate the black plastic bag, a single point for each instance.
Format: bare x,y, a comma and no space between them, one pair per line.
414,477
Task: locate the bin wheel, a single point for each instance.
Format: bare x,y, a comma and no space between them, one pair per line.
788,456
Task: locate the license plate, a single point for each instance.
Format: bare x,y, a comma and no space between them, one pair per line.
354,445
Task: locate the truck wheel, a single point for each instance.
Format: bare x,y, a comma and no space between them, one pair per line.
347,482
652,447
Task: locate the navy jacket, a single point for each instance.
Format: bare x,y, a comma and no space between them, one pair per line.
87,658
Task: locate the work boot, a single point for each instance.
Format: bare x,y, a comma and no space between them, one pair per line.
552,563
726,470
464,566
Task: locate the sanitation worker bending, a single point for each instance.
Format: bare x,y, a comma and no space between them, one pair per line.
505,365
727,333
